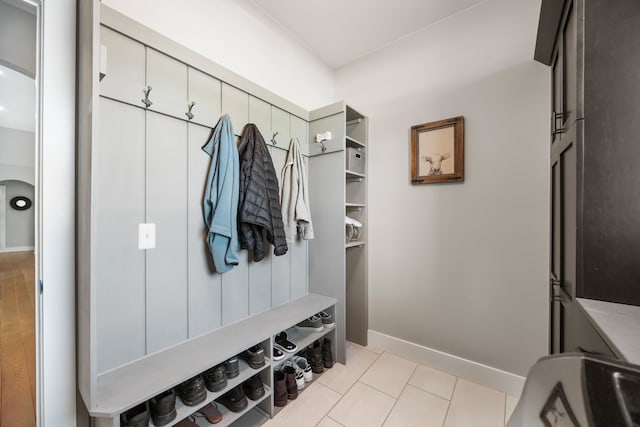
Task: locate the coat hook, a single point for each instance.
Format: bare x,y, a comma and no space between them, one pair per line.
273,138
146,101
322,137
189,114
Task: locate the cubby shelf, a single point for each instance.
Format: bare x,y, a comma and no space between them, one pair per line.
355,205
277,409
229,416
301,338
352,174
351,142
354,244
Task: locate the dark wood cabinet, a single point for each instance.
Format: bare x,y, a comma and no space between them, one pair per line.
593,49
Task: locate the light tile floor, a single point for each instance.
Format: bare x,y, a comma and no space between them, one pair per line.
377,388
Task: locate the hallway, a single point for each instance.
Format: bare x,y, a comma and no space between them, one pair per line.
17,340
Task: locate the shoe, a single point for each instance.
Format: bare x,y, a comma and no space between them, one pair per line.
314,357
313,323
276,354
302,363
190,421
290,381
211,413
234,399
299,374
279,389
253,356
327,319
284,344
253,387
327,356
192,391
231,368
215,378
138,416
163,408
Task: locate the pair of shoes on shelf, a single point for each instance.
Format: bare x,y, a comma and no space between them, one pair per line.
283,344
317,322
193,391
161,409
320,356
231,367
285,387
301,369
254,356
236,398
215,379
210,412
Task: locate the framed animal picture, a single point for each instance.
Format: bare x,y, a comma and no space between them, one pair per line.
437,151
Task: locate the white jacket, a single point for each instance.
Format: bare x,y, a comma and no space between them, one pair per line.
294,195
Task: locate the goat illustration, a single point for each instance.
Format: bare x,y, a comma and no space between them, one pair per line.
435,163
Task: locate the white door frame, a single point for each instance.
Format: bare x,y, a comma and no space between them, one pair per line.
3,217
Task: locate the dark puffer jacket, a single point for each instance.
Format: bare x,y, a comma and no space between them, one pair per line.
259,207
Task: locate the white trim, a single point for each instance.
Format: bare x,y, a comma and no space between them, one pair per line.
18,249
3,217
488,376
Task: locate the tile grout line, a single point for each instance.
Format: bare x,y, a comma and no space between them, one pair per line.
398,398
450,401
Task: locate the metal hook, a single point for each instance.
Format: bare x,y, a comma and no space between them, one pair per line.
146,101
323,149
189,114
273,138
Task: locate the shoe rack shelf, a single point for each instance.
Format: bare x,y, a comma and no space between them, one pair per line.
246,372
229,417
301,338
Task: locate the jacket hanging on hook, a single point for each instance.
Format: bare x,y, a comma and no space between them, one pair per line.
296,213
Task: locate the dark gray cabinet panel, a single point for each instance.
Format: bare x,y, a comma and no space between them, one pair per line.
168,80
205,93
125,78
235,103
205,286
119,191
166,265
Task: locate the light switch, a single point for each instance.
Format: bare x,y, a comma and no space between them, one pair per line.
146,236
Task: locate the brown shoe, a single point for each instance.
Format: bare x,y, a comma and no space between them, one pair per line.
211,413
290,381
279,389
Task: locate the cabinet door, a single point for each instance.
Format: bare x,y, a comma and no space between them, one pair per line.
300,130
166,266
125,76
205,93
119,189
260,115
205,289
280,129
235,103
168,80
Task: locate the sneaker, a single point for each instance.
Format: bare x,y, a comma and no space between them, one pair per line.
314,357
312,323
299,374
276,354
327,319
192,391
163,408
254,356
290,381
231,368
279,389
138,416
327,356
302,363
284,344
215,378
253,387
234,399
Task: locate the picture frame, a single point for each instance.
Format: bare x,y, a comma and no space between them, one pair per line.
437,152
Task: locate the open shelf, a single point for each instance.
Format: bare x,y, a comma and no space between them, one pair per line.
301,338
354,244
351,174
355,205
352,142
229,416
277,409
246,372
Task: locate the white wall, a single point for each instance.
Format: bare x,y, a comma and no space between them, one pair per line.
236,36
461,268
17,39
17,155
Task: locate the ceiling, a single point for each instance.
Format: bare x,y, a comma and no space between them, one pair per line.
339,32
17,100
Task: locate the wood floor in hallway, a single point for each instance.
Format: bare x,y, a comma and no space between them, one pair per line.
17,340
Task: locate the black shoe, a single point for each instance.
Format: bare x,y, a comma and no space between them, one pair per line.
327,357
276,354
284,344
254,356
215,378
234,399
314,357
138,416
231,368
253,387
163,408
279,389
192,391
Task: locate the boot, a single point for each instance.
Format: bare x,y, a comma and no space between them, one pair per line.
314,357
163,408
280,389
138,416
215,378
327,357
290,381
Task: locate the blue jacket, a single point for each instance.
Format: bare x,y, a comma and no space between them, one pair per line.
220,202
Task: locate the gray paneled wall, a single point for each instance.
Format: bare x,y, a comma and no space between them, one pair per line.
150,168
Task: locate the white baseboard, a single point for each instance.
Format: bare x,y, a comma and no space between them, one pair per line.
488,376
18,249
